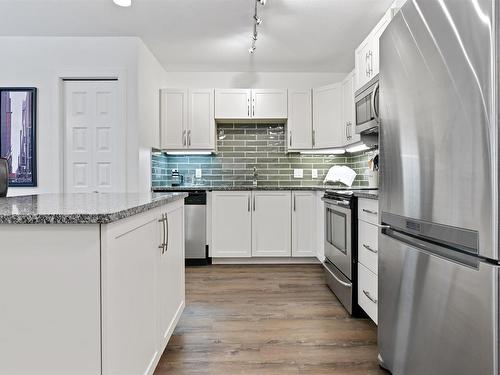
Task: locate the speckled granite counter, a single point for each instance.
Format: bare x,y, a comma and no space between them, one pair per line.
90,208
360,193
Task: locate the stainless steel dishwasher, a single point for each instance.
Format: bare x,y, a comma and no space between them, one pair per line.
196,228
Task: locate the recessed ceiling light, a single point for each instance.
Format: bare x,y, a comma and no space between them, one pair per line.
123,3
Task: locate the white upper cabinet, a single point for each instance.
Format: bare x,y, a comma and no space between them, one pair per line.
269,104
233,104
271,223
242,104
327,117
349,132
187,119
299,120
201,124
367,54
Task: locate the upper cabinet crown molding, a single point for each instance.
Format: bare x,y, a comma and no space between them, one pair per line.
256,104
187,119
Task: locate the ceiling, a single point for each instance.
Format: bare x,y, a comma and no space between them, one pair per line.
212,35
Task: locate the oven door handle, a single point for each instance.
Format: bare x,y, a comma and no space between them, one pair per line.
347,285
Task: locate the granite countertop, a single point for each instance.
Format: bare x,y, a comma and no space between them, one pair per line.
92,208
360,193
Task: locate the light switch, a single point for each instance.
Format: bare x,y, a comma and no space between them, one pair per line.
198,173
298,173
314,173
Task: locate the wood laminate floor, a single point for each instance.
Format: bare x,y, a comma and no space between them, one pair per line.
267,319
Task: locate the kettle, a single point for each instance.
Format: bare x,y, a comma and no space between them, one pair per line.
4,177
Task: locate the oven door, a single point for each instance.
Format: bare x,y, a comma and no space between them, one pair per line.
338,236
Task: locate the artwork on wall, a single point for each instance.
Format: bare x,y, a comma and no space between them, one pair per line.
18,134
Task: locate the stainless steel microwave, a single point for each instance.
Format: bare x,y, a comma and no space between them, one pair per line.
367,111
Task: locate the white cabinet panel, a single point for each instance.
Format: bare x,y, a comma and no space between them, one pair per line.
362,62
269,103
231,224
233,103
368,292
327,114
299,120
174,119
170,285
304,224
201,124
368,245
271,223
348,116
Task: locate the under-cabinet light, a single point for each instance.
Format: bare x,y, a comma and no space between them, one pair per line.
330,151
187,153
123,3
357,148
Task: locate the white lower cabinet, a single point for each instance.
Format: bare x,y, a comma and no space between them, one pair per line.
231,224
271,223
142,288
368,292
303,224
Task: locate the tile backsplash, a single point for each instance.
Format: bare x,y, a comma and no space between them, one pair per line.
241,147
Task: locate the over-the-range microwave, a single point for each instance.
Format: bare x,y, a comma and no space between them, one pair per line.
367,110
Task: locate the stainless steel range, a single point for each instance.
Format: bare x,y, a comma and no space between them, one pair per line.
340,247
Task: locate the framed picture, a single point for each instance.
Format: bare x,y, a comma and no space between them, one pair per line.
18,134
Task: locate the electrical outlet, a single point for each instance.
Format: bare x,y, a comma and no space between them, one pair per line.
198,173
298,173
314,173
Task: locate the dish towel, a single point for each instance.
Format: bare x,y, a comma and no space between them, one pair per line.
340,173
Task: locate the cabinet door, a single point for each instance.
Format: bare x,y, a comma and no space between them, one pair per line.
299,120
375,36
269,104
327,113
232,103
303,224
362,63
271,224
201,126
170,263
349,133
231,224
129,298
174,117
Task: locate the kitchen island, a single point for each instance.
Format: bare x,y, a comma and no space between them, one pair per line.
89,283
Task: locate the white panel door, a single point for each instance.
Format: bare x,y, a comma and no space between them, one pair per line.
299,120
271,223
174,119
269,104
201,125
94,140
348,116
327,114
362,63
170,285
233,103
304,224
231,224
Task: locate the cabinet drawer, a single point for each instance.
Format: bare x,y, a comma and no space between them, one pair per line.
368,210
368,245
368,292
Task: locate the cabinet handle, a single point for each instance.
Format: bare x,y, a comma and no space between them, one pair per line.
254,202
346,132
248,107
162,221
370,249
294,202
370,211
371,62
189,138
248,206
367,294
290,139
184,138
167,239
253,107
314,138
367,70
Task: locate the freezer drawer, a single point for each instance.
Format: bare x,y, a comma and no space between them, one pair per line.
436,315
340,285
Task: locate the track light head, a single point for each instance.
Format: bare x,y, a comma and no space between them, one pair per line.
258,20
251,50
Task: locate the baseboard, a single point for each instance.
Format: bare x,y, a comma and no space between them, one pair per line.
264,260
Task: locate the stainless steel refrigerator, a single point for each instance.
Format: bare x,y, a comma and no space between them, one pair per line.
438,251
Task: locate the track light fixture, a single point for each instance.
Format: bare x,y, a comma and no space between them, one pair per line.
257,21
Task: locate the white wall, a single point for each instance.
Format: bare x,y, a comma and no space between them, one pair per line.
42,61
251,79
